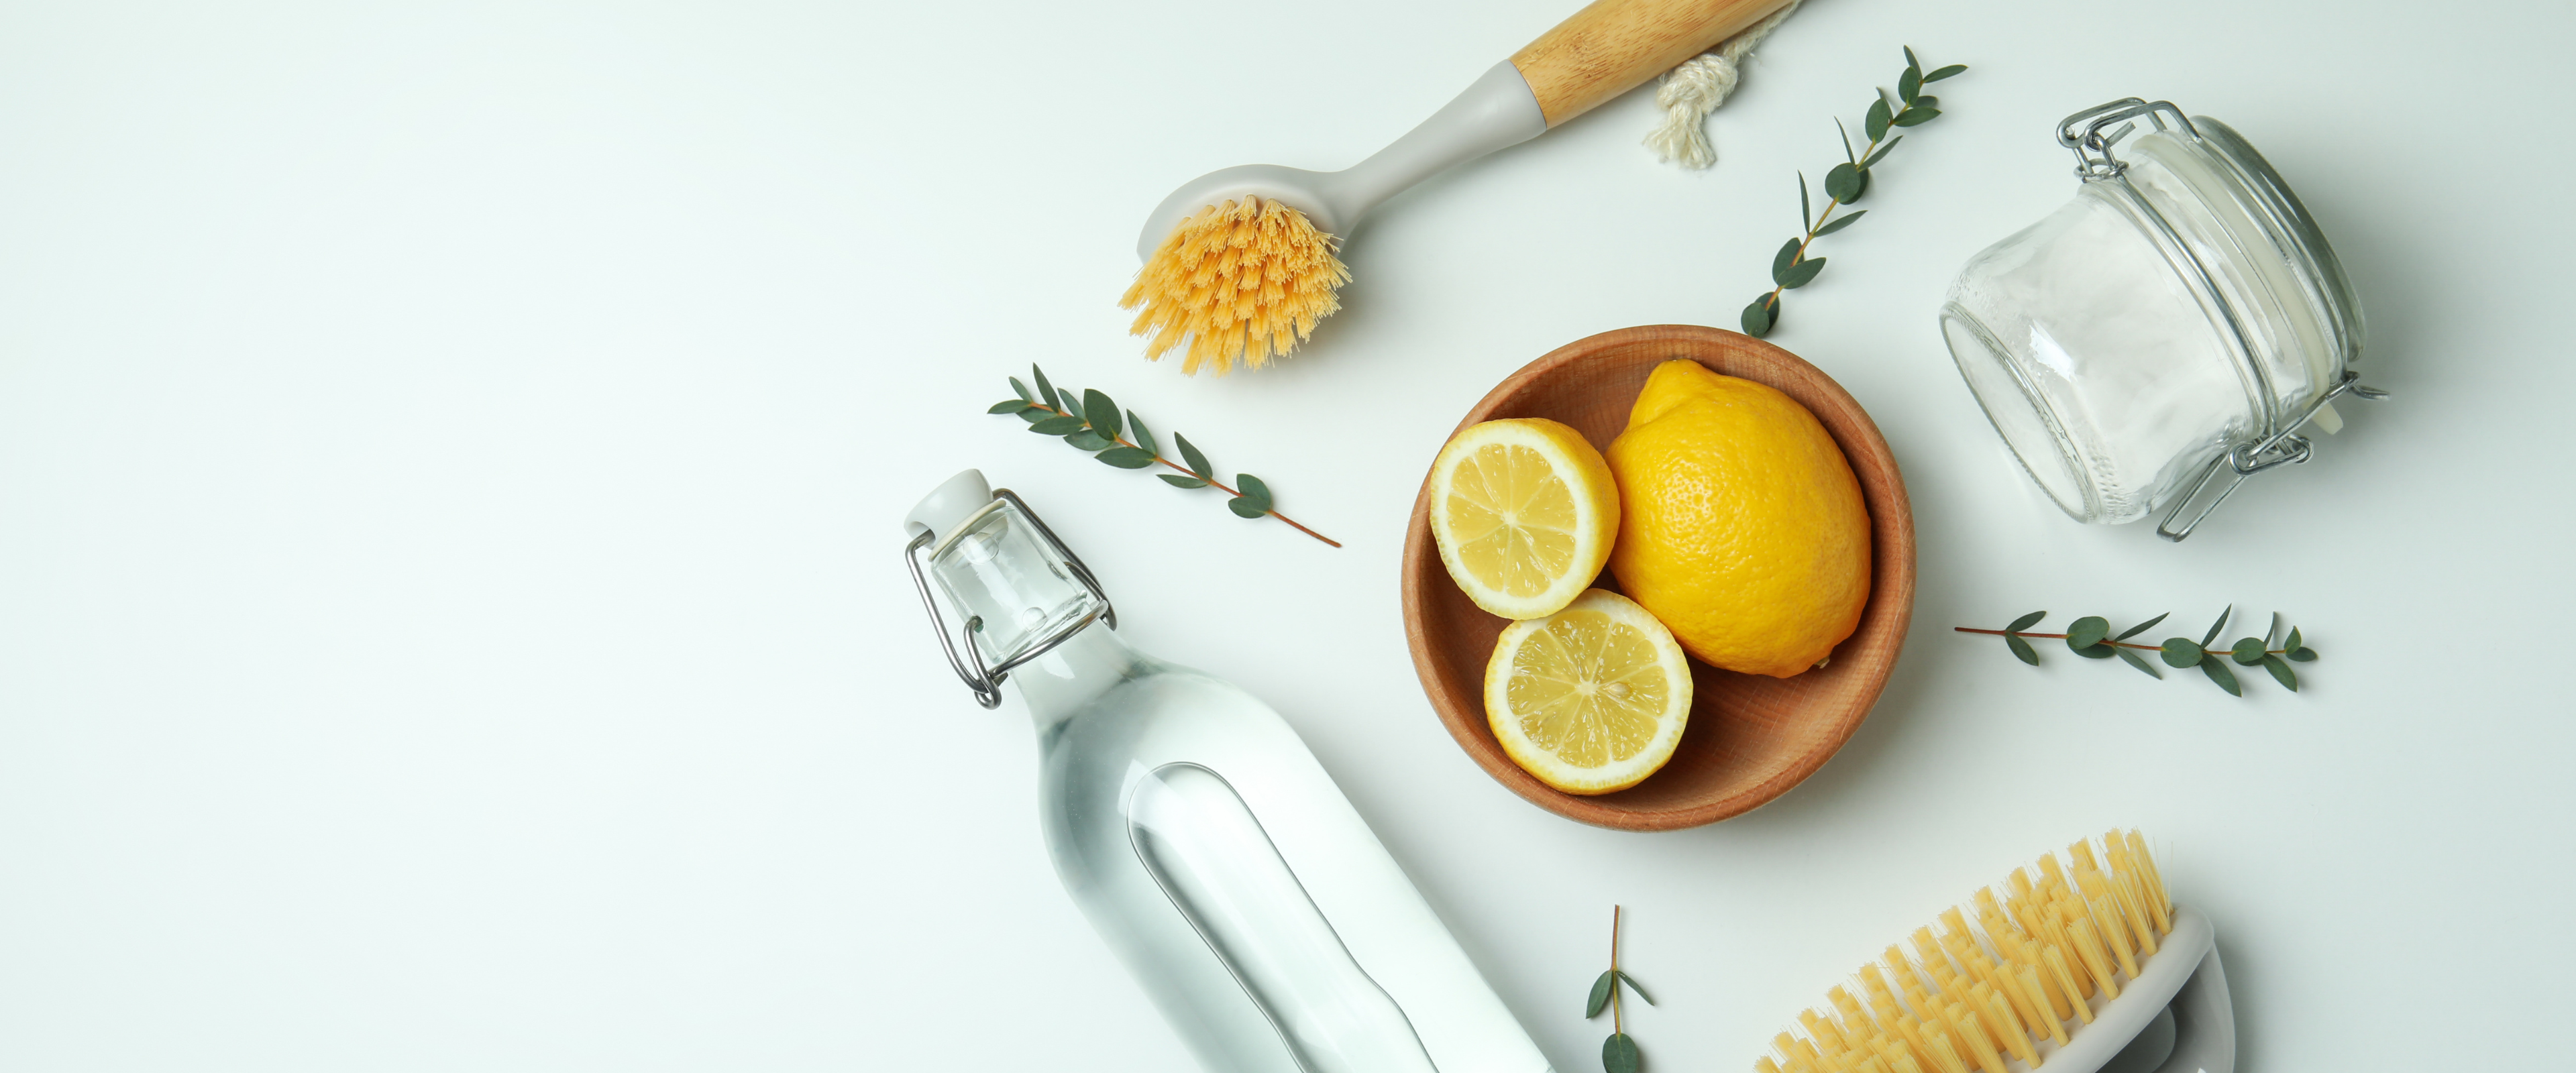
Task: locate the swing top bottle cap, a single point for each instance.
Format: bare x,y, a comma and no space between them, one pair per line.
950,503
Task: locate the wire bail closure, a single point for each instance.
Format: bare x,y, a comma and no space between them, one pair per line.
2089,134
2082,133
2283,448
984,682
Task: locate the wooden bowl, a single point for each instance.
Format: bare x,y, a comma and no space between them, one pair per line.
1751,737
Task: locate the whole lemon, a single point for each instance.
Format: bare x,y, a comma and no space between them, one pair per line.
1740,525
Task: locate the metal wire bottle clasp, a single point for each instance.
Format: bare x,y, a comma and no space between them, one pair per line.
2089,134
986,682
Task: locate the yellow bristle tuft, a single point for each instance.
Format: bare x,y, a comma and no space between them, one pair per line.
1967,1028
2088,949
2051,1022
2006,976
2115,934
1944,1053
2082,852
2065,977
1238,283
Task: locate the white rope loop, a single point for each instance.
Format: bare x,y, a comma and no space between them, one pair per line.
1694,89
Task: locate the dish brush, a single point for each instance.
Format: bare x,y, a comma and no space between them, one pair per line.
1241,263
2087,966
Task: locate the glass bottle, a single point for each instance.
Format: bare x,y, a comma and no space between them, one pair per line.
2182,320
1196,830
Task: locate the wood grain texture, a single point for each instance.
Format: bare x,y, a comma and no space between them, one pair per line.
1750,737
1613,46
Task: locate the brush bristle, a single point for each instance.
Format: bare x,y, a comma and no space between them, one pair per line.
2009,971
1240,282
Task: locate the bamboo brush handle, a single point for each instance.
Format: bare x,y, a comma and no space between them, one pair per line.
1612,46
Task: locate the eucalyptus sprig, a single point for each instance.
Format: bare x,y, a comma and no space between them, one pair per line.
2090,637
1093,422
1791,268
1618,1053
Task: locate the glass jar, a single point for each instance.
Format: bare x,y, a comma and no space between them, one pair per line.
2168,333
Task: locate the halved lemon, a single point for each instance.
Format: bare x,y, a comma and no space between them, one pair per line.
1524,511
1590,699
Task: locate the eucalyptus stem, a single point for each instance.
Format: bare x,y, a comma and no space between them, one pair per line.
1212,481
2091,638
1791,268
1093,423
1618,1053
1614,969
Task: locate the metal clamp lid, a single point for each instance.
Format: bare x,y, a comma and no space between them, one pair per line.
2082,133
986,683
2283,448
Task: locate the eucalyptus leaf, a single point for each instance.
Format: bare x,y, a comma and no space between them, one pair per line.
2217,671
2132,658
2026,621
1757,317
1845,183
1245,508
1946,72
2088,631
1058,425
2095,651
2304,655
1787,256
1619,1054
1915,117
1806,211
1872,160
1926,101
1632,983
2180,652
1178,481
1022,390
2214,627
1198,462
2273,636
1046,391
1089,440
1102,413
2247,651
1009,406
1802,273
1035,414
1600,999
2293,643
1253,489
1876,122
2281,673
1143,436
1846,133
2140,628
2021,649
1840,222
1071,405
1909,84
1125,457
1911,64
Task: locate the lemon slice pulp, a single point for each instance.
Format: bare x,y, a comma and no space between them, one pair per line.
1591,699
1524,511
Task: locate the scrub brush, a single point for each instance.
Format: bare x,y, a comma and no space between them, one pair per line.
1240,263
2086,966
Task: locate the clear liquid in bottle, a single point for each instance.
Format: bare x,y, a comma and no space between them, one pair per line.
1199,834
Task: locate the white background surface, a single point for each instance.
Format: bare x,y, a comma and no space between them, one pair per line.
450,457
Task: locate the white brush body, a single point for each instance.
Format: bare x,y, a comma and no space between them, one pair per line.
1496,112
